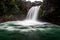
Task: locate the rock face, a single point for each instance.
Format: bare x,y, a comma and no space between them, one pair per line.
51,11
36,3
28,5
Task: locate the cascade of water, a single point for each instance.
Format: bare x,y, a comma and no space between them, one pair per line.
33,13
31,18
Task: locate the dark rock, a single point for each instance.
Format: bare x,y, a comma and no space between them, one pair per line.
36,3
51,11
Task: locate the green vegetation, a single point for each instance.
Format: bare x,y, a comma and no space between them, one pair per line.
10,8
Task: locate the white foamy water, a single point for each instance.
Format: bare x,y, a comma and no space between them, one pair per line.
29,23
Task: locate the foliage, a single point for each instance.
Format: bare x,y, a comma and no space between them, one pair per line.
10,7
41,10
12,10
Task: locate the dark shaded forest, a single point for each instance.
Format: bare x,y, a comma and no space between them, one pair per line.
12,10
50,11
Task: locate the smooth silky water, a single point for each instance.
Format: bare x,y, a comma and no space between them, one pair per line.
29,29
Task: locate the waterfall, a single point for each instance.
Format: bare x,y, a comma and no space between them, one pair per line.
33,13
31,18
